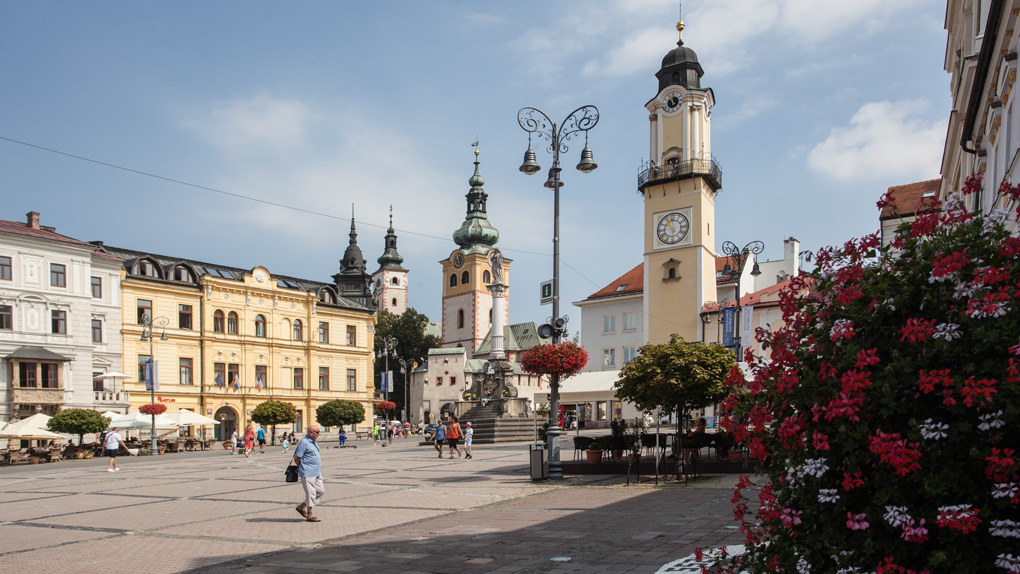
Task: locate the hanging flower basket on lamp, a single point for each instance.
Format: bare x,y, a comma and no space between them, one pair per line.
153,409
386,406
564,359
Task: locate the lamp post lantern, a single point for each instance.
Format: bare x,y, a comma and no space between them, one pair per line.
403,371
148,323
739,257
389,347
535,122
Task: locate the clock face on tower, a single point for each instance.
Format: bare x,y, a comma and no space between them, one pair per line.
672,101
672,228
458,260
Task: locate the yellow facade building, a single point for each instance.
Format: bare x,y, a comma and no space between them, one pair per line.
226,339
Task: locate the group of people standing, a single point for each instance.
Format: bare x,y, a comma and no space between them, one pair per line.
450,435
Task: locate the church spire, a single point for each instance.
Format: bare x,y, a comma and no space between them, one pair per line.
353,282
476,234
391,259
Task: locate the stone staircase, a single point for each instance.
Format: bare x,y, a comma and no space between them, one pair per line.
491,428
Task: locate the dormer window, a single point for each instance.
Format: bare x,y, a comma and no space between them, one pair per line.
620,288
145,269
182,274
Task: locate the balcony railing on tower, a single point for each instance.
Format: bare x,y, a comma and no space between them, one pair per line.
650,173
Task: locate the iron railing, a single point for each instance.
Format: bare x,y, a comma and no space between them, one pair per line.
707,168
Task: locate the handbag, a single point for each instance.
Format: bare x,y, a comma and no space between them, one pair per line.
290,475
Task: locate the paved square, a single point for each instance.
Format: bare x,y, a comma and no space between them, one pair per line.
393,509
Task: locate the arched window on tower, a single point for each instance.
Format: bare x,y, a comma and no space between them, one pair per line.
486,277
453,280
394,301
395,281
464,277
460,318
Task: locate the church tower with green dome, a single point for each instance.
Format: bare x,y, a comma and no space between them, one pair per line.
389,283
467,304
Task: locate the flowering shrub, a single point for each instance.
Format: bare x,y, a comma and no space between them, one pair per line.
153,409
386,406
885,422
564,359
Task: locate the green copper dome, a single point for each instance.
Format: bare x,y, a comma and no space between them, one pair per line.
390,259
476,234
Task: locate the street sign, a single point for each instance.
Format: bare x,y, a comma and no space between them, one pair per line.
547,293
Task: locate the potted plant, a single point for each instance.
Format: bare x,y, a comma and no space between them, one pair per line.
86,453
594,452
617,428
143,452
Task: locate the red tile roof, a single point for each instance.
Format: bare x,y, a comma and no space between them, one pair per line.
22,228
631,282
911,199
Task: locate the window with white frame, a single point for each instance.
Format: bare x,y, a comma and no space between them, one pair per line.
608,324
608,357
629,353
630,321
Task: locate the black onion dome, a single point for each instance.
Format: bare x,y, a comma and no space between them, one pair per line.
680,66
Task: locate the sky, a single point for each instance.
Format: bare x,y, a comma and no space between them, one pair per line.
244,133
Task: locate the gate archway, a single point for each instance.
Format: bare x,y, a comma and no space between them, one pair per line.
228,423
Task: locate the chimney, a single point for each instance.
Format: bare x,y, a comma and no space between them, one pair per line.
33,219
791,256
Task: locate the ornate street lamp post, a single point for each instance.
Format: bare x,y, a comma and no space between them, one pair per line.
739,257
534,121
147,327
406,415
389,347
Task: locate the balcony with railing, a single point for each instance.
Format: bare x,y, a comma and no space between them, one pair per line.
650,173
112,397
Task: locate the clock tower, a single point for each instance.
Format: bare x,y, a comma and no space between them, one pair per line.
467,303
679,185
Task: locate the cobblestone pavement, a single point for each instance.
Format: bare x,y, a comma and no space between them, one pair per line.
386,510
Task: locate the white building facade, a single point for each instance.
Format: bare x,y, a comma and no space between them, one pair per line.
60,322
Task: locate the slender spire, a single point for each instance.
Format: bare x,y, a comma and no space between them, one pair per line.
391,259
476,233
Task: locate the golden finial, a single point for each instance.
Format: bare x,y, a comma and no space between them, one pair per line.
680,29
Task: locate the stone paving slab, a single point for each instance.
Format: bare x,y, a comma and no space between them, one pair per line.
394,509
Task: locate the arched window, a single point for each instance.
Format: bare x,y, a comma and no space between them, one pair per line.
464,277
395,281
260,326
453,280
218,321
486,278
460,318
394,301
672,272
232,323
298,331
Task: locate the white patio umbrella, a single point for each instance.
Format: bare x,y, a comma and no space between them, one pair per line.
29,433
112,375
186,418
142,421
36,421
111,415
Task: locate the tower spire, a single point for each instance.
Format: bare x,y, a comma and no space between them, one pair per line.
476,234
391,259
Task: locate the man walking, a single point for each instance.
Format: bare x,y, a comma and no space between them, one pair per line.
262,439
111,444
307,458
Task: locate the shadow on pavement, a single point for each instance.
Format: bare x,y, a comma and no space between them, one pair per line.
603,528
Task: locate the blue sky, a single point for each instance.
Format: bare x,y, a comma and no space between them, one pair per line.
820,106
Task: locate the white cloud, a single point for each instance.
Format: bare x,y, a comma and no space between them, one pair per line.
883,139
260,124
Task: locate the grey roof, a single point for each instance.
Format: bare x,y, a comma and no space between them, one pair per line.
167,264
36,354
447,351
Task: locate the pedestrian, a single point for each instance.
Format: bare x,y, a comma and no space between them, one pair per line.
375,432
113,442
389,431
285,441
233,442
453,436
249,442
309,474
439,437
262,439
343,436
469,433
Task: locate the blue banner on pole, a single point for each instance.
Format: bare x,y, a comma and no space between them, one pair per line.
729,317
